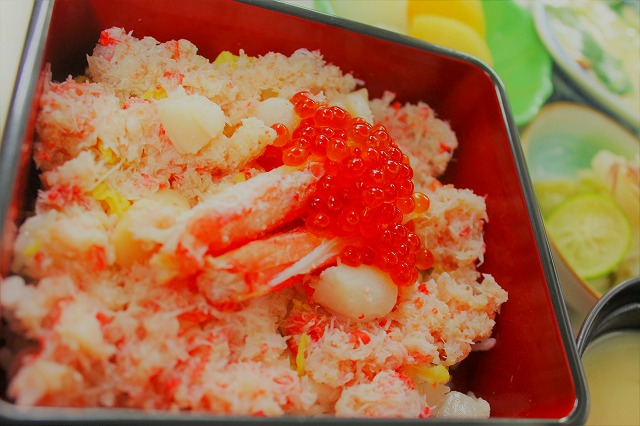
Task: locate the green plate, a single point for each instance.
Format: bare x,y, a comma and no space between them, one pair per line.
519,57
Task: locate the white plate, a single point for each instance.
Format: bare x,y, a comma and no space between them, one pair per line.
591,86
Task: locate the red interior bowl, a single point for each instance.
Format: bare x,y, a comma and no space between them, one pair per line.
533,372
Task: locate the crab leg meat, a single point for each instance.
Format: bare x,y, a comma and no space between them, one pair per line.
243,212
265,265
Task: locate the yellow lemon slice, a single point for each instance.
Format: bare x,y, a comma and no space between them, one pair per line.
591,232
450,33
469,12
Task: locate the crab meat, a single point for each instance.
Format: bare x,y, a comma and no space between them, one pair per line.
265,265
243,212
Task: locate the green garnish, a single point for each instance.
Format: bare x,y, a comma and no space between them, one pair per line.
608,68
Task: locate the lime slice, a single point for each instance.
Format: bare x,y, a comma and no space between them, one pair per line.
552,193
591,232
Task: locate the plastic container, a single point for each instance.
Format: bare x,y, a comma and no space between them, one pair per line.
532,375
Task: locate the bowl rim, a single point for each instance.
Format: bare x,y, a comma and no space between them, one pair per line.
550,110
590,87
19,104
324,12
544,90
590,325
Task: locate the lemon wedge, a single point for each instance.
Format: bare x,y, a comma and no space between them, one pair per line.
468,12
591,232
450,33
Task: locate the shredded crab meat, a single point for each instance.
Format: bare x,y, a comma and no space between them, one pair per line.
177,274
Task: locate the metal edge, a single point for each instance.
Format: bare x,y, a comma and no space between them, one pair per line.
369,30
579,414
589,325
21,101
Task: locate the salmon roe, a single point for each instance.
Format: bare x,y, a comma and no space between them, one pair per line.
366,191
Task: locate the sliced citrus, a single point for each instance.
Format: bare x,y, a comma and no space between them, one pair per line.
469,12
450,33
551,193
591,232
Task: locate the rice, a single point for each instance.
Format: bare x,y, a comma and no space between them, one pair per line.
125,294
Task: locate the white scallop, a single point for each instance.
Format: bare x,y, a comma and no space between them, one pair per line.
276,110
360,293
190,121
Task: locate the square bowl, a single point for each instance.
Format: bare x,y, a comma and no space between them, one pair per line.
533,374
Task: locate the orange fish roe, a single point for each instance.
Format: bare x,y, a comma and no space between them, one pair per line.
366,192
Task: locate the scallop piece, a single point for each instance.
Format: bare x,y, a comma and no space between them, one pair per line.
190,121
360,293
